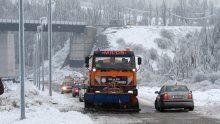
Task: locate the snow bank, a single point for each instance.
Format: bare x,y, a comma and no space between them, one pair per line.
44,115
40,108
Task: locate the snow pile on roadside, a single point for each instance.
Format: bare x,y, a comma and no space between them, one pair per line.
207,102
57,62
40,108
148,94
60,74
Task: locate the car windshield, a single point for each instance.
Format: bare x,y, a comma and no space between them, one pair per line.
78,85
176,88
84,86
121,63
68,83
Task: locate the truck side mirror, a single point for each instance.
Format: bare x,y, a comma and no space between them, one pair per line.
139,60
87,61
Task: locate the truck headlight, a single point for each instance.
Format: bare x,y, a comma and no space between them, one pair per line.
97,91
93,69
133,69
130,91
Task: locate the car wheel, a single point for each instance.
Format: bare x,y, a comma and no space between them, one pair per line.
73,95
156,105
161,109
62,92
80,99
191,108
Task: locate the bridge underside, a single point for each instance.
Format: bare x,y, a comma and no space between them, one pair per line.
81,40
33,27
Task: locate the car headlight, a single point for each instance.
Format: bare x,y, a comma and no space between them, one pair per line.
103,80
64,88
94,69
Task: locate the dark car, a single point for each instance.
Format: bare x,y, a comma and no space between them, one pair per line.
174,96
75,89
1,87
66,87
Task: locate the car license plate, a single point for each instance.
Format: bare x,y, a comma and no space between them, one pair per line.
177,97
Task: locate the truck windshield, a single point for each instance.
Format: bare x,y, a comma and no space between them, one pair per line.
118,63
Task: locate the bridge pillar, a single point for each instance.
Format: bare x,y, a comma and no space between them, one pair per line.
7,55
81,46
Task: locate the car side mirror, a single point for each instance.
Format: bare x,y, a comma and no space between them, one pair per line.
87,62
156,92
139,60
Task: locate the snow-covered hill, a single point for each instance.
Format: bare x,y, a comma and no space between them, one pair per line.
159,38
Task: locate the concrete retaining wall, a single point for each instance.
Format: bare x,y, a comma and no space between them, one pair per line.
81,46
7,54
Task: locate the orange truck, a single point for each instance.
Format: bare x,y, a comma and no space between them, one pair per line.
112,80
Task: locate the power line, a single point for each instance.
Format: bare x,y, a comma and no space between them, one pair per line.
200,18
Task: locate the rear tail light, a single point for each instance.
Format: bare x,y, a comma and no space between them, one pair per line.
189,95
165,96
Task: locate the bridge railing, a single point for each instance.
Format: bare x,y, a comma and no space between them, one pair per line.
38,22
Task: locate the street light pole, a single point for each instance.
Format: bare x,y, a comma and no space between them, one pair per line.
34,65
21,57
38,55
42,56
42,49
50,46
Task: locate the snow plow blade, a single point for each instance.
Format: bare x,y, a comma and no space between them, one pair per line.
111,102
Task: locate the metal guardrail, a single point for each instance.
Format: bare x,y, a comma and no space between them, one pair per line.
38,22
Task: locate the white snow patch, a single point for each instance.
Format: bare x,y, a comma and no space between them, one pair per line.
40,107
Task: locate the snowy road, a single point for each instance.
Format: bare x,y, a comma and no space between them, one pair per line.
147,115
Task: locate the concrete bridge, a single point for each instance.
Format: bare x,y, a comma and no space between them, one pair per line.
31,25
81,41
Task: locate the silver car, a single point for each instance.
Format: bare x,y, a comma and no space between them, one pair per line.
174,96
82,91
